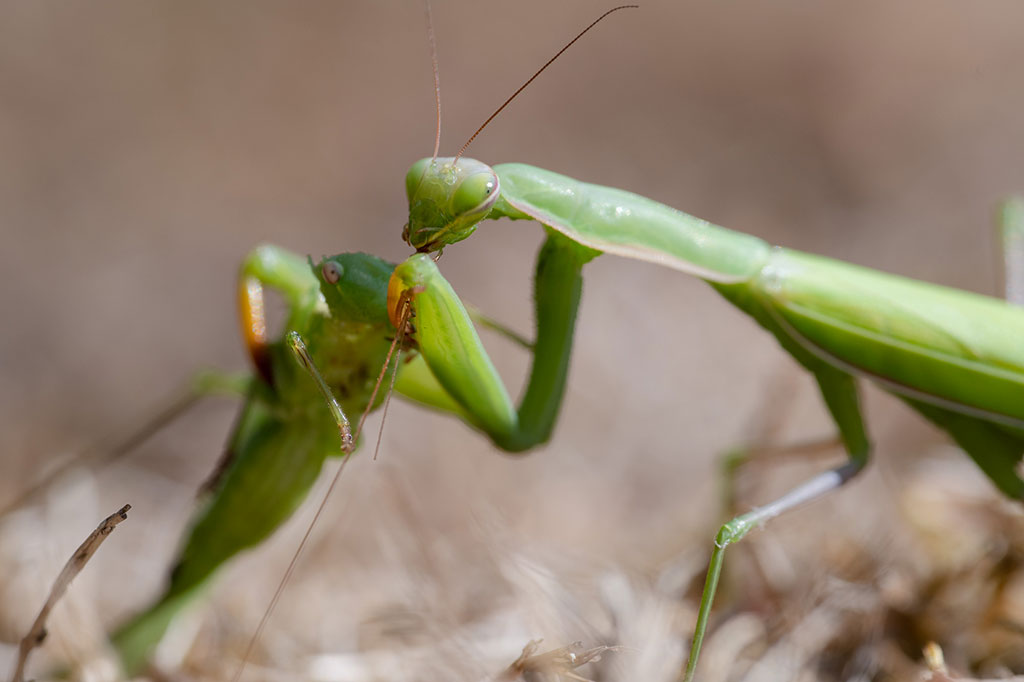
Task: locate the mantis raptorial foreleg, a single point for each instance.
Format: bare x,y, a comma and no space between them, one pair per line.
462,372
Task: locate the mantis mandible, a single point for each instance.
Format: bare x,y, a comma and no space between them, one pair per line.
954,357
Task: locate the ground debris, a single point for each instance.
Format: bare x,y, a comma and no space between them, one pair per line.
74,565
554,664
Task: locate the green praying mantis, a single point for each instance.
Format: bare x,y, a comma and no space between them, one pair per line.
956,358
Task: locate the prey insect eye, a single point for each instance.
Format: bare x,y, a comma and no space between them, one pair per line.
331,272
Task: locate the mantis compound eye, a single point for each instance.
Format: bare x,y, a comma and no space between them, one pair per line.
331,272
476,193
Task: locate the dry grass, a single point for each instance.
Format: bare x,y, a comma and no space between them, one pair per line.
804,603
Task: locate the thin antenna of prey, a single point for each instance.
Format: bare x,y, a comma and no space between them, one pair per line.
531,79
394,350
437,78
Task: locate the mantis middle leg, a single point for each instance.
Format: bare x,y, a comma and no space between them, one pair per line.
840,393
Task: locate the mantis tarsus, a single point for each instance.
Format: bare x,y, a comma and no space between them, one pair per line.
952,356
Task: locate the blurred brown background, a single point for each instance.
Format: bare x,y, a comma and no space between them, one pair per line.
146,146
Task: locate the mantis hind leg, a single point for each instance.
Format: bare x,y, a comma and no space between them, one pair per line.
1011,233
840,394
996,450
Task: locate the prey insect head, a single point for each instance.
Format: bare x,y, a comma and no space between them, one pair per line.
354,285
447,198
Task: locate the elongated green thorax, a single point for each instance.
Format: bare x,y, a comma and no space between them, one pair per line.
447,200
626,224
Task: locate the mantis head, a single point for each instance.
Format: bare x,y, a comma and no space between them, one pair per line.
355,286
447,198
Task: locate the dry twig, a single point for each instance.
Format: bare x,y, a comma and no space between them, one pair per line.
74,565
558,662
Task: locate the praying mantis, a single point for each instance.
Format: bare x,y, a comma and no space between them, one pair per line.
952,356
492,418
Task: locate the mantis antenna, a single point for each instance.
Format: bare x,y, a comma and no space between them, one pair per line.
531,79
437,78
437,92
